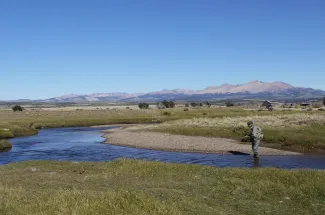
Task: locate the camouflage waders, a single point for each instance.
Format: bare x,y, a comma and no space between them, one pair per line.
255,136
255,145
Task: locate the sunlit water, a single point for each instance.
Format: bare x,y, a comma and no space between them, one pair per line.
85,144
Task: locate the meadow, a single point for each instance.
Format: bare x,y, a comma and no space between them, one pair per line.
141,187
298,130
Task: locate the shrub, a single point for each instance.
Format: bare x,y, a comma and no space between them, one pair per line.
168,104
193,104
143,106
186,109
230,104
204,114
186,105
17,108
265,104
166,113
208,104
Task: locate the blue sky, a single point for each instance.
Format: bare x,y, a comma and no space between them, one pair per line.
50,48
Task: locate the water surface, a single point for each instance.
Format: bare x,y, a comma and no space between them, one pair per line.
85,144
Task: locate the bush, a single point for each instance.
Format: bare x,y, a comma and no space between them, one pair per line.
204,114
193,104
186,109
186,105
168,104
166,113
208,104
17,108
143,106
230,104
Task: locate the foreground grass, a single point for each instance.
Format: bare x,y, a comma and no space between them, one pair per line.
140,187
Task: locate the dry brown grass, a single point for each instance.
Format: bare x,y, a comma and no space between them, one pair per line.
296,131
274,121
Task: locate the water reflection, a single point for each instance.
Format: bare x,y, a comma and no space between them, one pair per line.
256,163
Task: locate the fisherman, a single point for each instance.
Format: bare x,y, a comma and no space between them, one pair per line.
255,136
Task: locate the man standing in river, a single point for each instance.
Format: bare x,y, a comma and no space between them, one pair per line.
255,135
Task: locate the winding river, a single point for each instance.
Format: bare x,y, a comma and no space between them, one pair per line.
85,144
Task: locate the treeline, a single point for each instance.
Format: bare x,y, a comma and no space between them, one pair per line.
193,104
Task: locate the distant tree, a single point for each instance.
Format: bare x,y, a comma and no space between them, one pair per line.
160,106
143,106
165,103
171,104
208,104
193,104
265,104
187,105
17,108
230,104
168,104
201,104
324,101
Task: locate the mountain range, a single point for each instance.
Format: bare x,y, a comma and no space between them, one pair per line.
251,90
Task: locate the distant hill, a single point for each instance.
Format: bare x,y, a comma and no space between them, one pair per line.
251,90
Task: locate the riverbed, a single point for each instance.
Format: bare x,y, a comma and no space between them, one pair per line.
86,144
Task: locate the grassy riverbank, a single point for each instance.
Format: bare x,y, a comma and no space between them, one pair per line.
13,124
139,187
301,131
294,130
4,144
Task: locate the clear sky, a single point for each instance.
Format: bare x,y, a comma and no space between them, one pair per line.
50,48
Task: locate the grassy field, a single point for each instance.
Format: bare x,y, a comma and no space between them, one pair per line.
140,187
13,124
297,130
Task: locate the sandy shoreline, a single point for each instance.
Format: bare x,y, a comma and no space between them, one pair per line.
168,142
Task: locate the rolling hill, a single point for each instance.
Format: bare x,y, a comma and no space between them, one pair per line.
251,90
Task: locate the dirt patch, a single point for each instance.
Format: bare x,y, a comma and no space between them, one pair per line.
132,137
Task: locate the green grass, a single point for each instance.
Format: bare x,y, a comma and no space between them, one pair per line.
303,132
4,144
309,139
140,187
297,138
25,123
